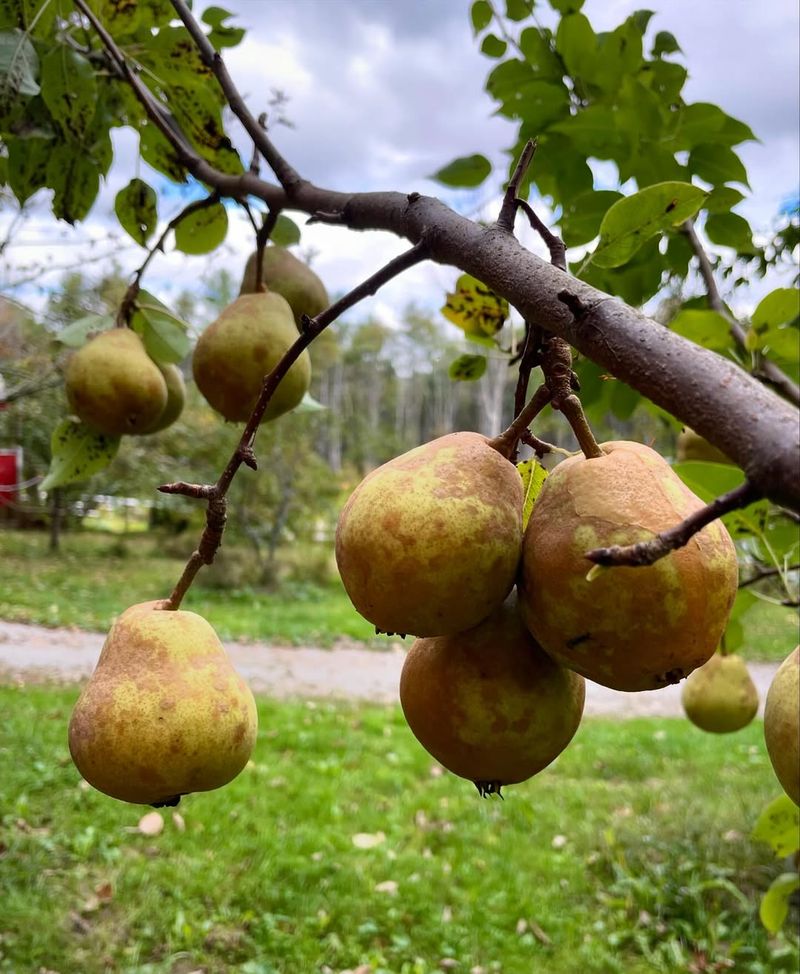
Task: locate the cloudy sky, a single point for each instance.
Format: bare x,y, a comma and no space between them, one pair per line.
384,92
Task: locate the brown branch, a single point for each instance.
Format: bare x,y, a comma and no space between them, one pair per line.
646,552
506,442
767,573
508,210
767,371
211,537
554,243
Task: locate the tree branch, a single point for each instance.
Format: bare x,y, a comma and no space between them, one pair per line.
648,552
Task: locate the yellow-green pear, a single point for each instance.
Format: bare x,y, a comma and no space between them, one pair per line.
114,386
692,446
236,352
429,543
176,397
488,703
291,278
720,696
782,724
164,713
625,628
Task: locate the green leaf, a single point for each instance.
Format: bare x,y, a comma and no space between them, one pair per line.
566,6
27,166
493,46
19,67
632,221
537,104
717,164
163,333
286,232
779,826
537,48
665,78
576,42
774,907
75,335
481,14
730,230
221,35
467,368
779,307
774,325
75,180
199,114
707,328
636,281
560,170
158,153
69,90
582,216
202,230
77,452
533,477
519,9
136,209
35,17
665,43
702,122
119,16
721,199
476,309
467,171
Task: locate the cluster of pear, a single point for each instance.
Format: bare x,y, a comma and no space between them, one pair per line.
114,386
253,333
432,544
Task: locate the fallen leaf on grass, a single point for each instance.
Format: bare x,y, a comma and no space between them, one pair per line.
387,886
151,824
364,840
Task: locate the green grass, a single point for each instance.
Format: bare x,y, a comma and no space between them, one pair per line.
96,576
629,854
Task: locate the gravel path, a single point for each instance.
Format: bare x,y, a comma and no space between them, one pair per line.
35,654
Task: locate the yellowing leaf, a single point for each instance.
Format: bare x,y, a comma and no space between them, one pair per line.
533,477
774,906
779,826
476,309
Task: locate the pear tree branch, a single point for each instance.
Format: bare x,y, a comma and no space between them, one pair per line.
215,494
647,552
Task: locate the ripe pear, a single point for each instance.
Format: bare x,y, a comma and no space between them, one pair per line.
176,397
236,352
488,703
625,628
289,277
164,713
113,385
782,724
720,696
692,446
429,543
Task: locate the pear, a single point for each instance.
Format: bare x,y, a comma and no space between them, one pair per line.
488,703
625,628
782,724
236,352
164,713
429,543
692,446
113,385
176,397
289,277
720,696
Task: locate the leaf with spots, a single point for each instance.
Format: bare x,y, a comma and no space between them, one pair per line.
476,310
136,209
19,67
158,153
77,452
631,222
467,368
74,179
199,114
533,476
118,16
779,826
69,89
171,57
27,166
202,231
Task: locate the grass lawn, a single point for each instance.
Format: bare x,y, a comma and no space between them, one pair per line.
96,576
343,845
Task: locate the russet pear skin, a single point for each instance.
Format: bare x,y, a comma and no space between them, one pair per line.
284,274
164,713
244,344
429,543
782,724
626,628
488,703
720,696
114,386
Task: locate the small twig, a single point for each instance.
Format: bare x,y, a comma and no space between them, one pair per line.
506,442
768,573
767,371
556,361
508,210
211,537
648,552
554,243
542,447
262,236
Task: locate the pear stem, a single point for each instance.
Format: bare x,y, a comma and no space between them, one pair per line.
216,511
506,442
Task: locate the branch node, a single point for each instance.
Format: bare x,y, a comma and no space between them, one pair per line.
248,457
573,302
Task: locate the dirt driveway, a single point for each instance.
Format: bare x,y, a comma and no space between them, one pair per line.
34,654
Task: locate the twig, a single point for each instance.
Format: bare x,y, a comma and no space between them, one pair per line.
262,236
768,371
508,210
648,552
211,537
556,246
768,573
506,442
